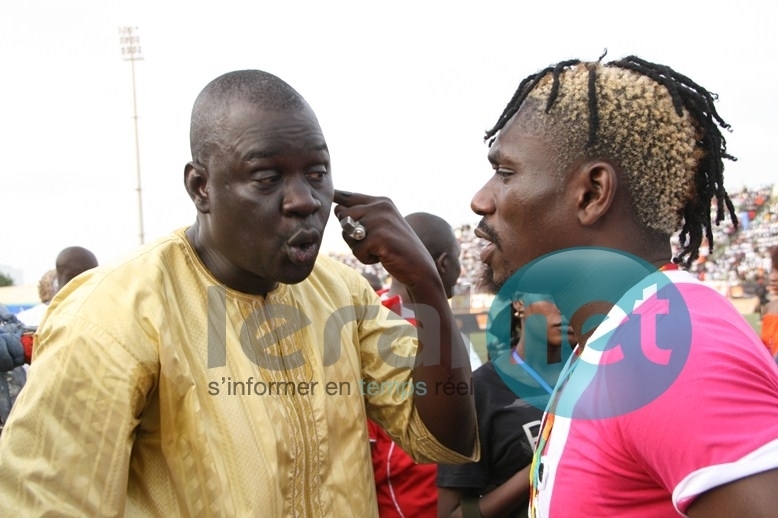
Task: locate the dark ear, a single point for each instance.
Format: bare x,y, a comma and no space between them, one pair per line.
442,263
596,185
196,183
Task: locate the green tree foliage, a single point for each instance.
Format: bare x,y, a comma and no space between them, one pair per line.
5,280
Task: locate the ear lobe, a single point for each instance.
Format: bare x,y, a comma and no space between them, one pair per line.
440,262
598,182
196,183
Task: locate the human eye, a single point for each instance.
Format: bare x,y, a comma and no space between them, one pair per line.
503,173
266,178
317,173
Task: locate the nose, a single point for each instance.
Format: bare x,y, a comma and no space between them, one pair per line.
483,202
300,198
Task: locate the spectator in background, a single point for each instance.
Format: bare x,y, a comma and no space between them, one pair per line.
441,243
762,294
73,261
770,314
403,487
69,263
372,269
47,288
508,425
13,359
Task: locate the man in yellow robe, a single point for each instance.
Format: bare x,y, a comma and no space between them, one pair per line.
228,369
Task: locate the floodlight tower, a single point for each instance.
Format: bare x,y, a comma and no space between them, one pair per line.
131,51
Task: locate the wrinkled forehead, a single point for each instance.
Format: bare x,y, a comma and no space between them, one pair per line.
244,118
297,125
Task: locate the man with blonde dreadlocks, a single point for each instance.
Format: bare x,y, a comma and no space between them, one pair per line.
670,404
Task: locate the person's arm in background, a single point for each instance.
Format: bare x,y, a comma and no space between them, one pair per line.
450,500
442,360
502,502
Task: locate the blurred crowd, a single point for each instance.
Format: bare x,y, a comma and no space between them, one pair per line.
740,255
743,254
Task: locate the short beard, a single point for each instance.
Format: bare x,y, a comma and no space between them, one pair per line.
485,282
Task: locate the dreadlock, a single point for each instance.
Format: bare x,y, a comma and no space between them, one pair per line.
661,127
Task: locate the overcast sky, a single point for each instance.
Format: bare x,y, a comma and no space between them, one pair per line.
403,91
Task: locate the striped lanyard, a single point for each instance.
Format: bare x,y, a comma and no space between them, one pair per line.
536,469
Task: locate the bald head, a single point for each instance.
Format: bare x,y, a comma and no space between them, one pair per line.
73,261
433,231
219,97
439,239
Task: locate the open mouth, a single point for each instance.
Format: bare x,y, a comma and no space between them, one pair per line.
304,253
303,246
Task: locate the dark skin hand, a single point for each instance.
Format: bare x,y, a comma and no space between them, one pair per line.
503,501
448,414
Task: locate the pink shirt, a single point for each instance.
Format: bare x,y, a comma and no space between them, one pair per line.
715,419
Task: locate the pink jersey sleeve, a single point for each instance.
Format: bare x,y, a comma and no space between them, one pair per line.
718,422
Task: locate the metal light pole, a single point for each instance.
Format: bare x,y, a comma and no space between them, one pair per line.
131,51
